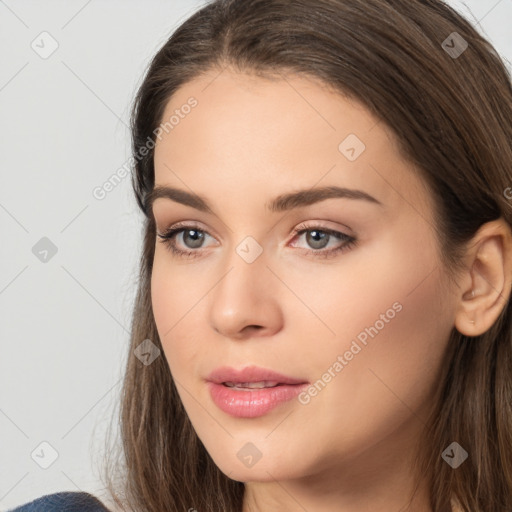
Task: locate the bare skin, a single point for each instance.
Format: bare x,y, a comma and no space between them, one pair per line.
350,447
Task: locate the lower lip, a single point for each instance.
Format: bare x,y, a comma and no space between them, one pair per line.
256,402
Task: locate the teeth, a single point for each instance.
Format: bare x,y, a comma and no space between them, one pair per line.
252,385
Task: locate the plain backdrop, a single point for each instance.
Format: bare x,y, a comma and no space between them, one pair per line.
69,71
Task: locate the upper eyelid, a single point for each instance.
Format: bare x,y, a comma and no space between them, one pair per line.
182,226
300,227
299,230
314,224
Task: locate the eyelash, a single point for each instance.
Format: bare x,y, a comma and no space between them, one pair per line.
168,238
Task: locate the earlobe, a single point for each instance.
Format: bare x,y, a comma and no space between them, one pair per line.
488,281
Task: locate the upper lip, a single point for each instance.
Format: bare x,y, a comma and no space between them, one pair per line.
250,374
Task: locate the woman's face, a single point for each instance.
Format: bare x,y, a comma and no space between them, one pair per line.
364,325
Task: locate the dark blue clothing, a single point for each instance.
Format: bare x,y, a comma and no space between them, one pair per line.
63,502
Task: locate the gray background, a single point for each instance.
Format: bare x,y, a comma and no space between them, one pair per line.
64,131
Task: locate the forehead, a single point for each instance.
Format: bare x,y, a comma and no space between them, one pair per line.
252,137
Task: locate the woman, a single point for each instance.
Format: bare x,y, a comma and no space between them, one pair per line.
326,187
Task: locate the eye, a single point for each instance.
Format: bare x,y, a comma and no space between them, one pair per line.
192,237
317,237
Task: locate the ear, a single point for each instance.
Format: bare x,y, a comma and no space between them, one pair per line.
486,287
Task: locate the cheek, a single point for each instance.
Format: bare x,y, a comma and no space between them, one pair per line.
161,300
176,301
392,331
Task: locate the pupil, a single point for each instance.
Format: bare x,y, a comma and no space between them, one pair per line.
323,238
196,240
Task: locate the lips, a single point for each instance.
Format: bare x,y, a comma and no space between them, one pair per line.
251,377
253,391
252,385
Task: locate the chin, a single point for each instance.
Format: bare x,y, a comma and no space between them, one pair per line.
254,474
268,468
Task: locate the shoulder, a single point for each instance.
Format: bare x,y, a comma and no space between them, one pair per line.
63,502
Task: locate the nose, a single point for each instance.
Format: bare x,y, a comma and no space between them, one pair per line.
245,302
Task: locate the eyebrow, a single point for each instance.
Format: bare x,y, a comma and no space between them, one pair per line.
281,203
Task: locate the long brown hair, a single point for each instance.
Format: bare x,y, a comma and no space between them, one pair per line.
452,118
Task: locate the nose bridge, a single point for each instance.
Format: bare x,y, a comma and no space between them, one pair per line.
245,267
245,294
